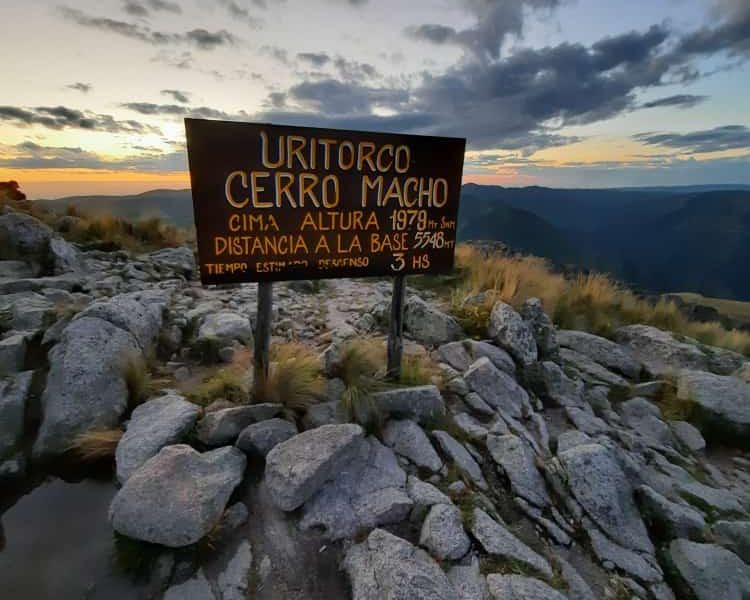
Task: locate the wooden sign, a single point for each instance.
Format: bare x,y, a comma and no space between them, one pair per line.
276,203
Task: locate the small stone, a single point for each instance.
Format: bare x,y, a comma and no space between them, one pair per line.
260,438
461,458
443,533
409,440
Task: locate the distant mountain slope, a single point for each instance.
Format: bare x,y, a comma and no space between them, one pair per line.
173,206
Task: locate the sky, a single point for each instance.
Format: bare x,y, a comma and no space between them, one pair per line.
563,93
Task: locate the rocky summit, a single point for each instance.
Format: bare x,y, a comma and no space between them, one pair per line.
520,462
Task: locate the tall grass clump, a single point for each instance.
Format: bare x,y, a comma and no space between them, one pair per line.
295,377
138,236
95,446
592,302
418,369
362,369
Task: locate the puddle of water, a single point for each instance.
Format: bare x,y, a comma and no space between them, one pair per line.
56,542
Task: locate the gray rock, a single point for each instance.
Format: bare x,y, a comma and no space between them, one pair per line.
734,535
154,424
260,438
571,439
420,403
13,467
226,326
688,436
26,311
13,353
86,387
195,588
715,500
578,589
497,540
180,260
177,496
223,427
586,421
498,389
423,495
386,567
455,354
234,580
368,492
468,581
662,353
470,426
590,371
518,462
409,440
324,413
743,373
443,533
474,402
722,404
511,332
428,325
671,520
63,257
15,269
498,357
22,237
709,571
551,383
645,419
297,468
601,350
13,393
545,333
461,458
519,587
598,483
627,560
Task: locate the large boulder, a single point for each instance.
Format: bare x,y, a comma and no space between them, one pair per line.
410,441
153,425
668,519
721,405
260,438
177,496
368,491
297,468
86,385
508,329
428,325
386,567
663,353
22,237
600,486
179,260
443,533
13,393
226,326
421,403
497,388
709,571
601,350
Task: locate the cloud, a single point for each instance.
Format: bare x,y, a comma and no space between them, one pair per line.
84,88
731,35
276,52
29,155
179,96
61,117
495,20
679,101
174,110
237,11
201,38
316,59
332,96
728,137
138,8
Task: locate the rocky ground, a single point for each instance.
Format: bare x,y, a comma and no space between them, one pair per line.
544,463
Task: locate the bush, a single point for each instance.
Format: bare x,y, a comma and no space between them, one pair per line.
294,378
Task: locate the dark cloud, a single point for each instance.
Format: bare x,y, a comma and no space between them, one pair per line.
30,155
174,110
84,88
679,101
340,98
138,8
165,6
134,8
732,34
353,71
61,117
316,59
729,137
178,95
201,38
495,20
238,11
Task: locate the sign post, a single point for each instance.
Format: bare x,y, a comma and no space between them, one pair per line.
276,203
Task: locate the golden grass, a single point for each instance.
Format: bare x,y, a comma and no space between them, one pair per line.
363,373
139,236
734,309
135,371
295,378
591,302
228,383
418,369
97,445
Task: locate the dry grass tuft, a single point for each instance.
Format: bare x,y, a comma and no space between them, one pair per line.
139,236
591,302
135,371
363,373
418,369
294,376
97,445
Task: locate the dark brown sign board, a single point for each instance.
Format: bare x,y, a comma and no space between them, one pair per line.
275,203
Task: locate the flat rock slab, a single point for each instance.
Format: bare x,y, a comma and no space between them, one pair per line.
709,571
601,350
600,486
518,462
410,441
421,403
518,587
497,540
497,388
386,567
368,491
461,457
154,424
297,468
177,496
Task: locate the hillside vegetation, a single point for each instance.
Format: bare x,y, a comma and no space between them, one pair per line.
593,302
